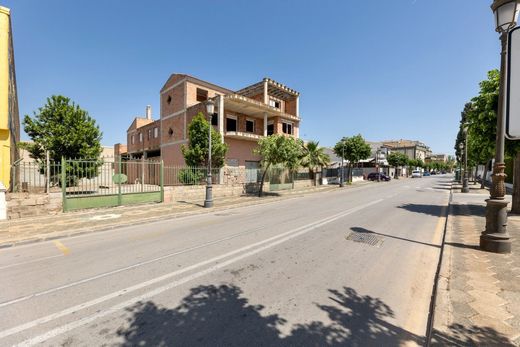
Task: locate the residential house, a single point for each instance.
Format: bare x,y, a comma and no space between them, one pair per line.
412,149
242,118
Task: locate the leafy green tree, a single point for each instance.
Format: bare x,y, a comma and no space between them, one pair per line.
397,159
313,156
353,149
64,130
278,150
196,153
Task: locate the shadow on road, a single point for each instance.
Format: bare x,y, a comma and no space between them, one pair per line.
436,210
221,316
366,231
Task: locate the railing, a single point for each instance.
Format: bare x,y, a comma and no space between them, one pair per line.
188,176
36,177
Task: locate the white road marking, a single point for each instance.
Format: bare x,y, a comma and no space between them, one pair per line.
270,242
105,274
30,261
105,216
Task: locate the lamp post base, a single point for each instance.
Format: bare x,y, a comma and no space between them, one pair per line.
208,202
495,238
465,187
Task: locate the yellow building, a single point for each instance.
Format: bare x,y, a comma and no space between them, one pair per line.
9,118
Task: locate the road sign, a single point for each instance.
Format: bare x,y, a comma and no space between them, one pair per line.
512,99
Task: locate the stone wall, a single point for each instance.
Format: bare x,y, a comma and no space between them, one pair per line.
21,205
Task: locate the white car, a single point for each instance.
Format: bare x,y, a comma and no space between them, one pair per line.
416,174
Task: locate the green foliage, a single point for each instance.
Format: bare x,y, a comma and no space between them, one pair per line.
196,153
397,159
313,156
65,130
278,150
352,149
191,176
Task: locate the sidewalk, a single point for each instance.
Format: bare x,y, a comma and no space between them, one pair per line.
28,230
478,298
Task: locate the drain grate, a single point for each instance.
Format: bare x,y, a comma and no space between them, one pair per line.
370,239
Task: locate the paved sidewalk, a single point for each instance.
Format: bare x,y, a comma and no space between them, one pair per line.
27,230
478,298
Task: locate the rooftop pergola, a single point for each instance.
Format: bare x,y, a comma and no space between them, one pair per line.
278,90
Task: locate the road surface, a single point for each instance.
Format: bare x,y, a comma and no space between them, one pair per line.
348,267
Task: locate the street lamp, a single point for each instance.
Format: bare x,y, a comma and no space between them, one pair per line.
465,188
341,178
210,109
377,166
495,238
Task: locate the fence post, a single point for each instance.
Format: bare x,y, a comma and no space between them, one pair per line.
142,173
161,177
47,173
63,184
119,195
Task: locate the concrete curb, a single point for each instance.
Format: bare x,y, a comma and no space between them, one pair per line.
176,215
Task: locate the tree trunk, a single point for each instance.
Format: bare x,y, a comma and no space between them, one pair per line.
515,208
261,190
475,175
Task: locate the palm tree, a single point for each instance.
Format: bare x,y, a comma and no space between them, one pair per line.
314,156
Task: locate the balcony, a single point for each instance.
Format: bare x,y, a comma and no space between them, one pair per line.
239,135
254,108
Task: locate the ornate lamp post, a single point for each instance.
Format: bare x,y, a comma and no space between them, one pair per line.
341,177
465,188
210,109
495,238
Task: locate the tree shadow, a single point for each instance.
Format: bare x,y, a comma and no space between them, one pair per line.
460,335
436,210
220,316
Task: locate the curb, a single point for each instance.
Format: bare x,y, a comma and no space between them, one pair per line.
435,290
176,215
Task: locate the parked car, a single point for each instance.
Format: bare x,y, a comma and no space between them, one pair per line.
374,175
416,174
426,173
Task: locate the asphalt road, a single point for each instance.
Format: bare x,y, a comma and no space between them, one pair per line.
347,267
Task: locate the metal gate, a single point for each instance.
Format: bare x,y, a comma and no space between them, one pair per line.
101,183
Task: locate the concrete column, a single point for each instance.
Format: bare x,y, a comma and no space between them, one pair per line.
266,95
221,116
5,136
265,123
3,202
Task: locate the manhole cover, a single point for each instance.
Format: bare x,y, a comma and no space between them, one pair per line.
366,238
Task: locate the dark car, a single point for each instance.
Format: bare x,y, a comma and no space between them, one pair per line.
373,176
426,173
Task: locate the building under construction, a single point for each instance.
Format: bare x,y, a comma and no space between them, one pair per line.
9,117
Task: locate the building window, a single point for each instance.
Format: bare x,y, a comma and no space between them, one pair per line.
202,94
169,100
270,128
231,124
214,119
275,103
170,132
132,139
287,128
155,132
149,134
140,137
250,125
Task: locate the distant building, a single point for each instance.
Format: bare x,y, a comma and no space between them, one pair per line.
436,158
412,149
243,117
9,117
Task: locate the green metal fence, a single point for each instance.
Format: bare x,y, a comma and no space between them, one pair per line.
187,175
105,183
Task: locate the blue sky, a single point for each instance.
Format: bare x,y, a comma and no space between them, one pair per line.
385,69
